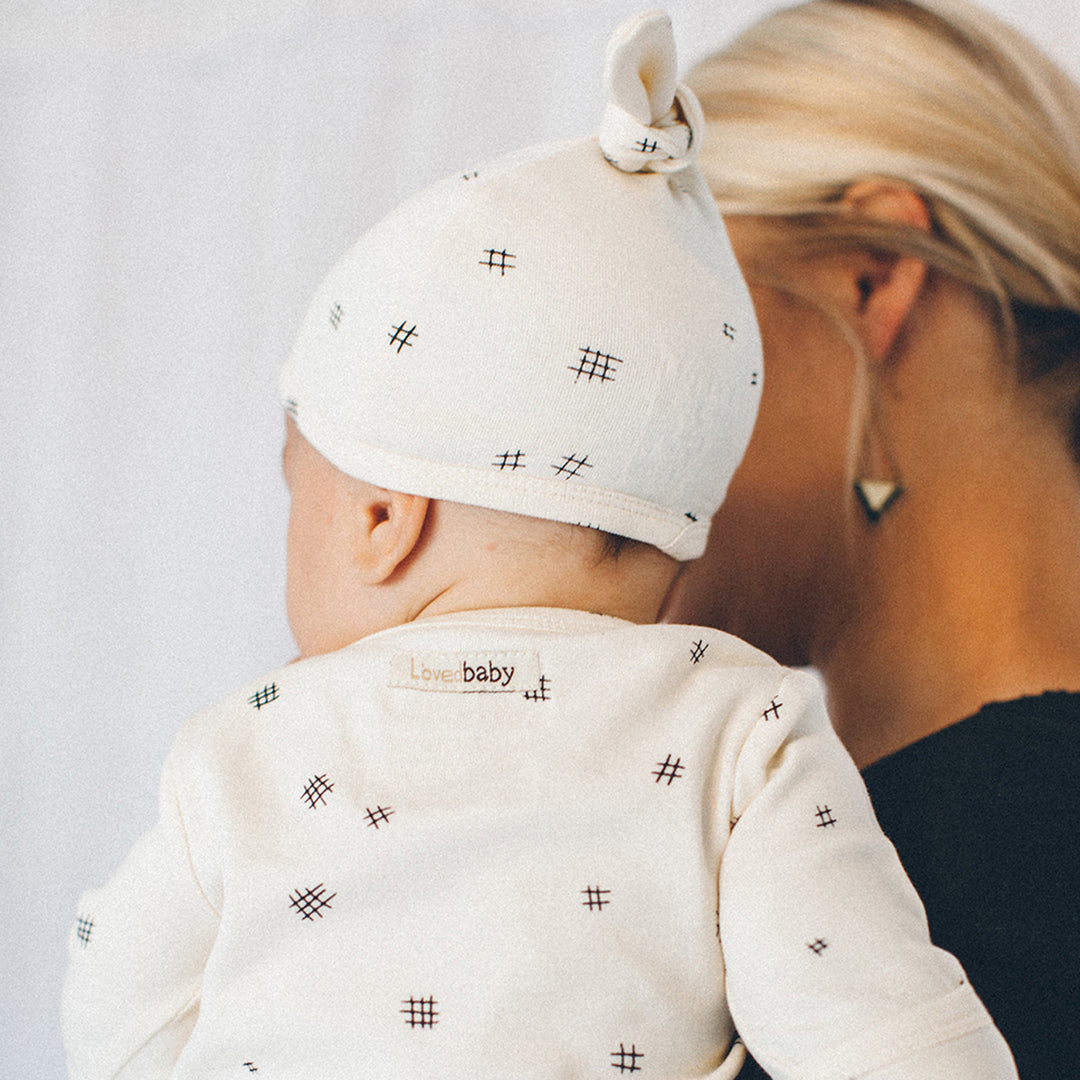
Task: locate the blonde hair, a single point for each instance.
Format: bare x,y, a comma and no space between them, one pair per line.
940,97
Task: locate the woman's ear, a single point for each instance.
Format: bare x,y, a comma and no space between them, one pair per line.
886,286
388,528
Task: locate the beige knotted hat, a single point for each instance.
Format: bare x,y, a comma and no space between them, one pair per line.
562,332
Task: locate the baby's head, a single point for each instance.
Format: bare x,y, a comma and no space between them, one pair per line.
557,338
363,558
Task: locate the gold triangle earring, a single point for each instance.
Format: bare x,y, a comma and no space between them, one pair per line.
876,496
877,483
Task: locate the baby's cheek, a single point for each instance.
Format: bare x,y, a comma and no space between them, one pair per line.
302,585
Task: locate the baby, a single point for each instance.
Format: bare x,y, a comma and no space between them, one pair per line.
495,822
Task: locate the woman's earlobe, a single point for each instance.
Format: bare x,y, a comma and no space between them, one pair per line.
887,299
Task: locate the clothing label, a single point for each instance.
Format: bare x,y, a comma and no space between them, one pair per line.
467,673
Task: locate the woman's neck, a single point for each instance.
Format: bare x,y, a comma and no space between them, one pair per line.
968,597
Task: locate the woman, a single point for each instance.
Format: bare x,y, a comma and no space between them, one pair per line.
902,189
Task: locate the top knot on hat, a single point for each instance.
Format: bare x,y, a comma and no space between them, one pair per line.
652,123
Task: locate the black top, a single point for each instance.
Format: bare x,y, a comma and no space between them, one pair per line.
985,815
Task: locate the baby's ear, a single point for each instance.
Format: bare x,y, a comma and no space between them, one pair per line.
389,524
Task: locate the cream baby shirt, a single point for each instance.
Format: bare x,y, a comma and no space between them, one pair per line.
517,843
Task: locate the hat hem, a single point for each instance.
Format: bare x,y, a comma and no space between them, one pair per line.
567,500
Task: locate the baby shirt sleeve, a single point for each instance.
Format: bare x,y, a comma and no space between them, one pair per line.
136,957
831,974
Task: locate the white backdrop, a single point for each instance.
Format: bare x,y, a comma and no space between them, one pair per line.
175,177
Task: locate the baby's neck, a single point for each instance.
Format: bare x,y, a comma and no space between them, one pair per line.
633,595
625,588
486,560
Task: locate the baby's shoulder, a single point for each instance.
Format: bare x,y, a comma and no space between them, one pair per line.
278,707
721,649
697,654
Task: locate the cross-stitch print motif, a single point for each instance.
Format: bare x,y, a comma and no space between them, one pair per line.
729,331
571,465
668,770
498,260
594,897
691,516
509,459
773,710
379,816
541,692
825,817
469,175
594,364
400,337
647,146
264,696
310,902
626,1060
291,407
698,651
84,927
318,787
817,946
335,316
420,1012
251,1066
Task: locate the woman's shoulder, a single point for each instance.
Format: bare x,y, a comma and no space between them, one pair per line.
984,817
998,748
1011,769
